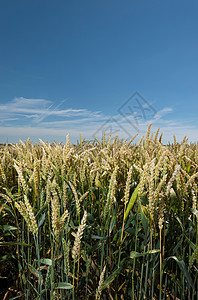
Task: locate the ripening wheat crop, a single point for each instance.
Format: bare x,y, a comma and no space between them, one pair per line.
99,220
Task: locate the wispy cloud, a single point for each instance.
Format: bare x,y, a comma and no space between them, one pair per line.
39,110
34,107
41,118
163,112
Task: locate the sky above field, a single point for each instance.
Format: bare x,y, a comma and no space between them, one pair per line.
93,66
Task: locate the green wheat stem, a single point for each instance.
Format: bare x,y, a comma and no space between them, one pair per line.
36,240
134,260
73,294
161,273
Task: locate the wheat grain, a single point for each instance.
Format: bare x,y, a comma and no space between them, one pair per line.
78,237
99,290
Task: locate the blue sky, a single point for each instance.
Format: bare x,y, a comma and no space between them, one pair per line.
92,66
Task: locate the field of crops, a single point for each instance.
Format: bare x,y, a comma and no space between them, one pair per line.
103,219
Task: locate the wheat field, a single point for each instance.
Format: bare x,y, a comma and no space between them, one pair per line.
105,219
